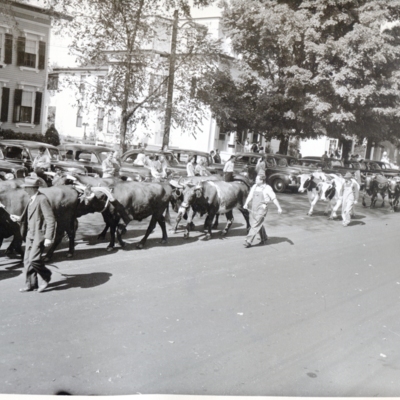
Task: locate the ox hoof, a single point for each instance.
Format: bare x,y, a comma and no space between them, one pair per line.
163,241
208,236
110,249
122,244
309,214
101,237
46,259
215,226
224,232
69,255
140,246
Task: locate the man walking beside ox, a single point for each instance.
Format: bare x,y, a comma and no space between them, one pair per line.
349,194
39,224
260,195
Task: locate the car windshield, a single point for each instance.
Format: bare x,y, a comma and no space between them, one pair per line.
172,160
13,152
335,163
52,153
86,156
1,155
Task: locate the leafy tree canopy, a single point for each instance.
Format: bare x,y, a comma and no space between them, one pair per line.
318,66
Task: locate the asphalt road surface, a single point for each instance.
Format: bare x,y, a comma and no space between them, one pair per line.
313,313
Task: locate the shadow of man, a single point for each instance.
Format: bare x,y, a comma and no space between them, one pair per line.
83,281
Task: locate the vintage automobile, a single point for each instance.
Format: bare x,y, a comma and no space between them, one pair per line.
130,164
87,156
279,177
6,167
380,167
183,154
23,152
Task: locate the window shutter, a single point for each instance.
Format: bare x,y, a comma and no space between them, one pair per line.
8,45
17,103
5,99
42,54
38,108
20,50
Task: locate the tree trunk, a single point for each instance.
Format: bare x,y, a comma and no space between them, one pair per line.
369,149
284,144
122,132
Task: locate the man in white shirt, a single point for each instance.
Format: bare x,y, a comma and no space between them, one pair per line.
260,195
41,163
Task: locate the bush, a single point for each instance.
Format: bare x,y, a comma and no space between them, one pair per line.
51,138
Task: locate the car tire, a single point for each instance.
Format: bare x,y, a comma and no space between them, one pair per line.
279,185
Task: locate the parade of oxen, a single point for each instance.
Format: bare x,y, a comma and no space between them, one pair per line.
200,198
153,194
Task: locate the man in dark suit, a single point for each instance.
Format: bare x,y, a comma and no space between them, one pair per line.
39,224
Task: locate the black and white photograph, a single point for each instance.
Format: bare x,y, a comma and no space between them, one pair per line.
200,198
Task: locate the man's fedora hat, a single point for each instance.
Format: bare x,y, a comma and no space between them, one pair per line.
31,182
348,175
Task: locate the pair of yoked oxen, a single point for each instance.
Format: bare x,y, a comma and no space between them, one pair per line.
72,196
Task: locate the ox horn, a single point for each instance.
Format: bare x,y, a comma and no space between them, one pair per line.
80,187
104,190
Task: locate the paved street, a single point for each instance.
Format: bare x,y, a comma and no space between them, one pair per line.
313,313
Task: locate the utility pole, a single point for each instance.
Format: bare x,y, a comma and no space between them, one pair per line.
171,77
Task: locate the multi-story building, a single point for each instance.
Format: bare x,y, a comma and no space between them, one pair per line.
24,39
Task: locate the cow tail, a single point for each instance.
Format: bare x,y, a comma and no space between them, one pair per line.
167,216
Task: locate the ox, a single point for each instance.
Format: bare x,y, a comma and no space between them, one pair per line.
374,185
394,192
213,198
177,198
139,200
67,203
330,191
310,182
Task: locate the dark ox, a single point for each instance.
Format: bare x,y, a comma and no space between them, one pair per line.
374,185
139,200
178,188
394,193
67,203
213,198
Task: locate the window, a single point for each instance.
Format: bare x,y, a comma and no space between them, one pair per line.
6,43
79,118
4,105
31,51
52,83
111,128
27,106
82,85
100,119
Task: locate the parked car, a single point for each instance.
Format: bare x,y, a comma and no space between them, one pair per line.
87,156
23,152
279,177
371,166
6,167
129,167
183,154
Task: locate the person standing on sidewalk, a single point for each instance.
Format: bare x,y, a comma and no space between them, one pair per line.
228,169
38,222
260,195
349,194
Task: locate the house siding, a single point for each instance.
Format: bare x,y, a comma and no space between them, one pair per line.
36,26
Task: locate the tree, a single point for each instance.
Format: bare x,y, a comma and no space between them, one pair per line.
51,136
321,67
120,33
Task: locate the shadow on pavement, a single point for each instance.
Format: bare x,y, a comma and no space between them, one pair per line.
9,274
83,281
277,240
354,223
